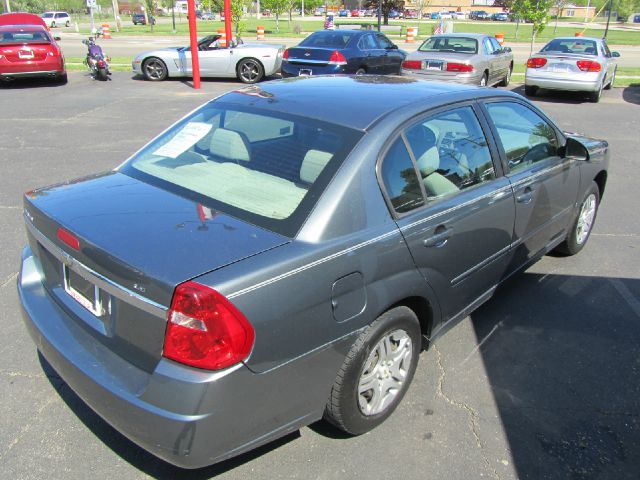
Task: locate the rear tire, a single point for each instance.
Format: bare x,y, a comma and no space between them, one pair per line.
361,71
250,71
530,90
376,372
583,225
595,96
102,74
507,78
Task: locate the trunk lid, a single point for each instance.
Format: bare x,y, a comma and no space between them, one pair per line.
23,53
311,55
140,238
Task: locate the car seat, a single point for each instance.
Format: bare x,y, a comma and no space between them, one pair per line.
230,146
313,164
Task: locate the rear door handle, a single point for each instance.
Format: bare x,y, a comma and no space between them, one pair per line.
439,238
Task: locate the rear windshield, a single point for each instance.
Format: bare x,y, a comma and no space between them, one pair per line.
450,44
261,167
570,45
328,39
23,36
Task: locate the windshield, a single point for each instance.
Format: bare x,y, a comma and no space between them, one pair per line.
327,39
265,168
23,36
570,45
450,44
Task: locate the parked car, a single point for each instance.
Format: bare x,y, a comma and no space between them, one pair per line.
461,57
355,13
636,19
445,15
29,51
500,17
343,51
344,13
56,19
140,19
455,15
479,15
581,64
434,15
394,14
208,16
249,62
410,14
161,292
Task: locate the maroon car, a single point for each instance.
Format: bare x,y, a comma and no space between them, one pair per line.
28,50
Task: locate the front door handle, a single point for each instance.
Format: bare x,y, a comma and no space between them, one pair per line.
439,237
526,196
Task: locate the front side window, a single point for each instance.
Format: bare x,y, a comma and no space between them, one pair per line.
525,136
383,41
451,152
400,178
488,47
265,168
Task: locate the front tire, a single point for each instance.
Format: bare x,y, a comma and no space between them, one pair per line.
613,79
67,24
581,228
376,372
250,71
53,24
154,69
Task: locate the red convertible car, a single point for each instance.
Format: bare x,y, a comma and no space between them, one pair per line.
27,49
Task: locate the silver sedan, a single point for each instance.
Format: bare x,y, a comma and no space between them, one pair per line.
580,64
471,58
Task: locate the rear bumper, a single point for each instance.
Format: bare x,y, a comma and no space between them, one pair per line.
188,417
293,70
589,84
51,67
34,74
472,78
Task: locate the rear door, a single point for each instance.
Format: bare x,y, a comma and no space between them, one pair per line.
373,54
392,56
545,186
452,204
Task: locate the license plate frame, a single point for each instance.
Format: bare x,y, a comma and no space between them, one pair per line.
305,72
26,54
82,291
434,65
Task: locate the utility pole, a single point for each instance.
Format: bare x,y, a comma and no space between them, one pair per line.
379,14
7,7
606,30
116,13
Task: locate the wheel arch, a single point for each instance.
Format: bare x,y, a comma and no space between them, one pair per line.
601,181
423,309
249,58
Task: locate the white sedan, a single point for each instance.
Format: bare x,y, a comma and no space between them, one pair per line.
249,63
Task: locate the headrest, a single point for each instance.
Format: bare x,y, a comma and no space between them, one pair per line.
229,145
313,164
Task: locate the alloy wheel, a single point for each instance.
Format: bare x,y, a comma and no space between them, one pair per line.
585,219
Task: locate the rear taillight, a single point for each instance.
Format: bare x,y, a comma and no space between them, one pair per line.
68,238
412,64
285,55
536,62
101,64
459,67
337,58
588,66
205,330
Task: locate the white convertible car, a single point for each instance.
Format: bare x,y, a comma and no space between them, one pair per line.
249,63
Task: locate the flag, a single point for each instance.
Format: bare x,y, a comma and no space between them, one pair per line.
328,23
439,28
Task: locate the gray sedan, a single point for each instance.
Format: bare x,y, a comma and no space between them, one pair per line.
471,58
274,258
580,64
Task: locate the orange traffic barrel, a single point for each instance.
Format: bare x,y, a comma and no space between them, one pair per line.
500,38
260,32
411,34
106,30
578,34
223,37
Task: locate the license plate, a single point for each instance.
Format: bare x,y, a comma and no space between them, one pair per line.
559,67
25,54
305,72
433,65
82,291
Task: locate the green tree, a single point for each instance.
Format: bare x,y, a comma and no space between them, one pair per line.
277,7
535,11
387,6
237,10
150,10
626,8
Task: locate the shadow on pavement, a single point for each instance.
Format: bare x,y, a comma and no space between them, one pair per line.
564,368
23,83
552,96
631,94
136,456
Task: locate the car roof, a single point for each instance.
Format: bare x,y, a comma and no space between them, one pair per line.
468,35
352,101
576,38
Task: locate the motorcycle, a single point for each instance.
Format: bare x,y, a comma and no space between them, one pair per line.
96,60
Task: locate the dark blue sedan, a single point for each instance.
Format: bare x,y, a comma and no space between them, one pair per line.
343,51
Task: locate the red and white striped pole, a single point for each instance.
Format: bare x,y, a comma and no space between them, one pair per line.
193,36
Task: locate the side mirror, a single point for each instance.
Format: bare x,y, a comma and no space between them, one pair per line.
506,49
575,149
615,54
57,39
393,47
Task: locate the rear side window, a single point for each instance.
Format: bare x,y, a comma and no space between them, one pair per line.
327,39
525,136
265,168
400,178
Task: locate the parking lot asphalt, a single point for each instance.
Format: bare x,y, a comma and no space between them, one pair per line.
543,381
